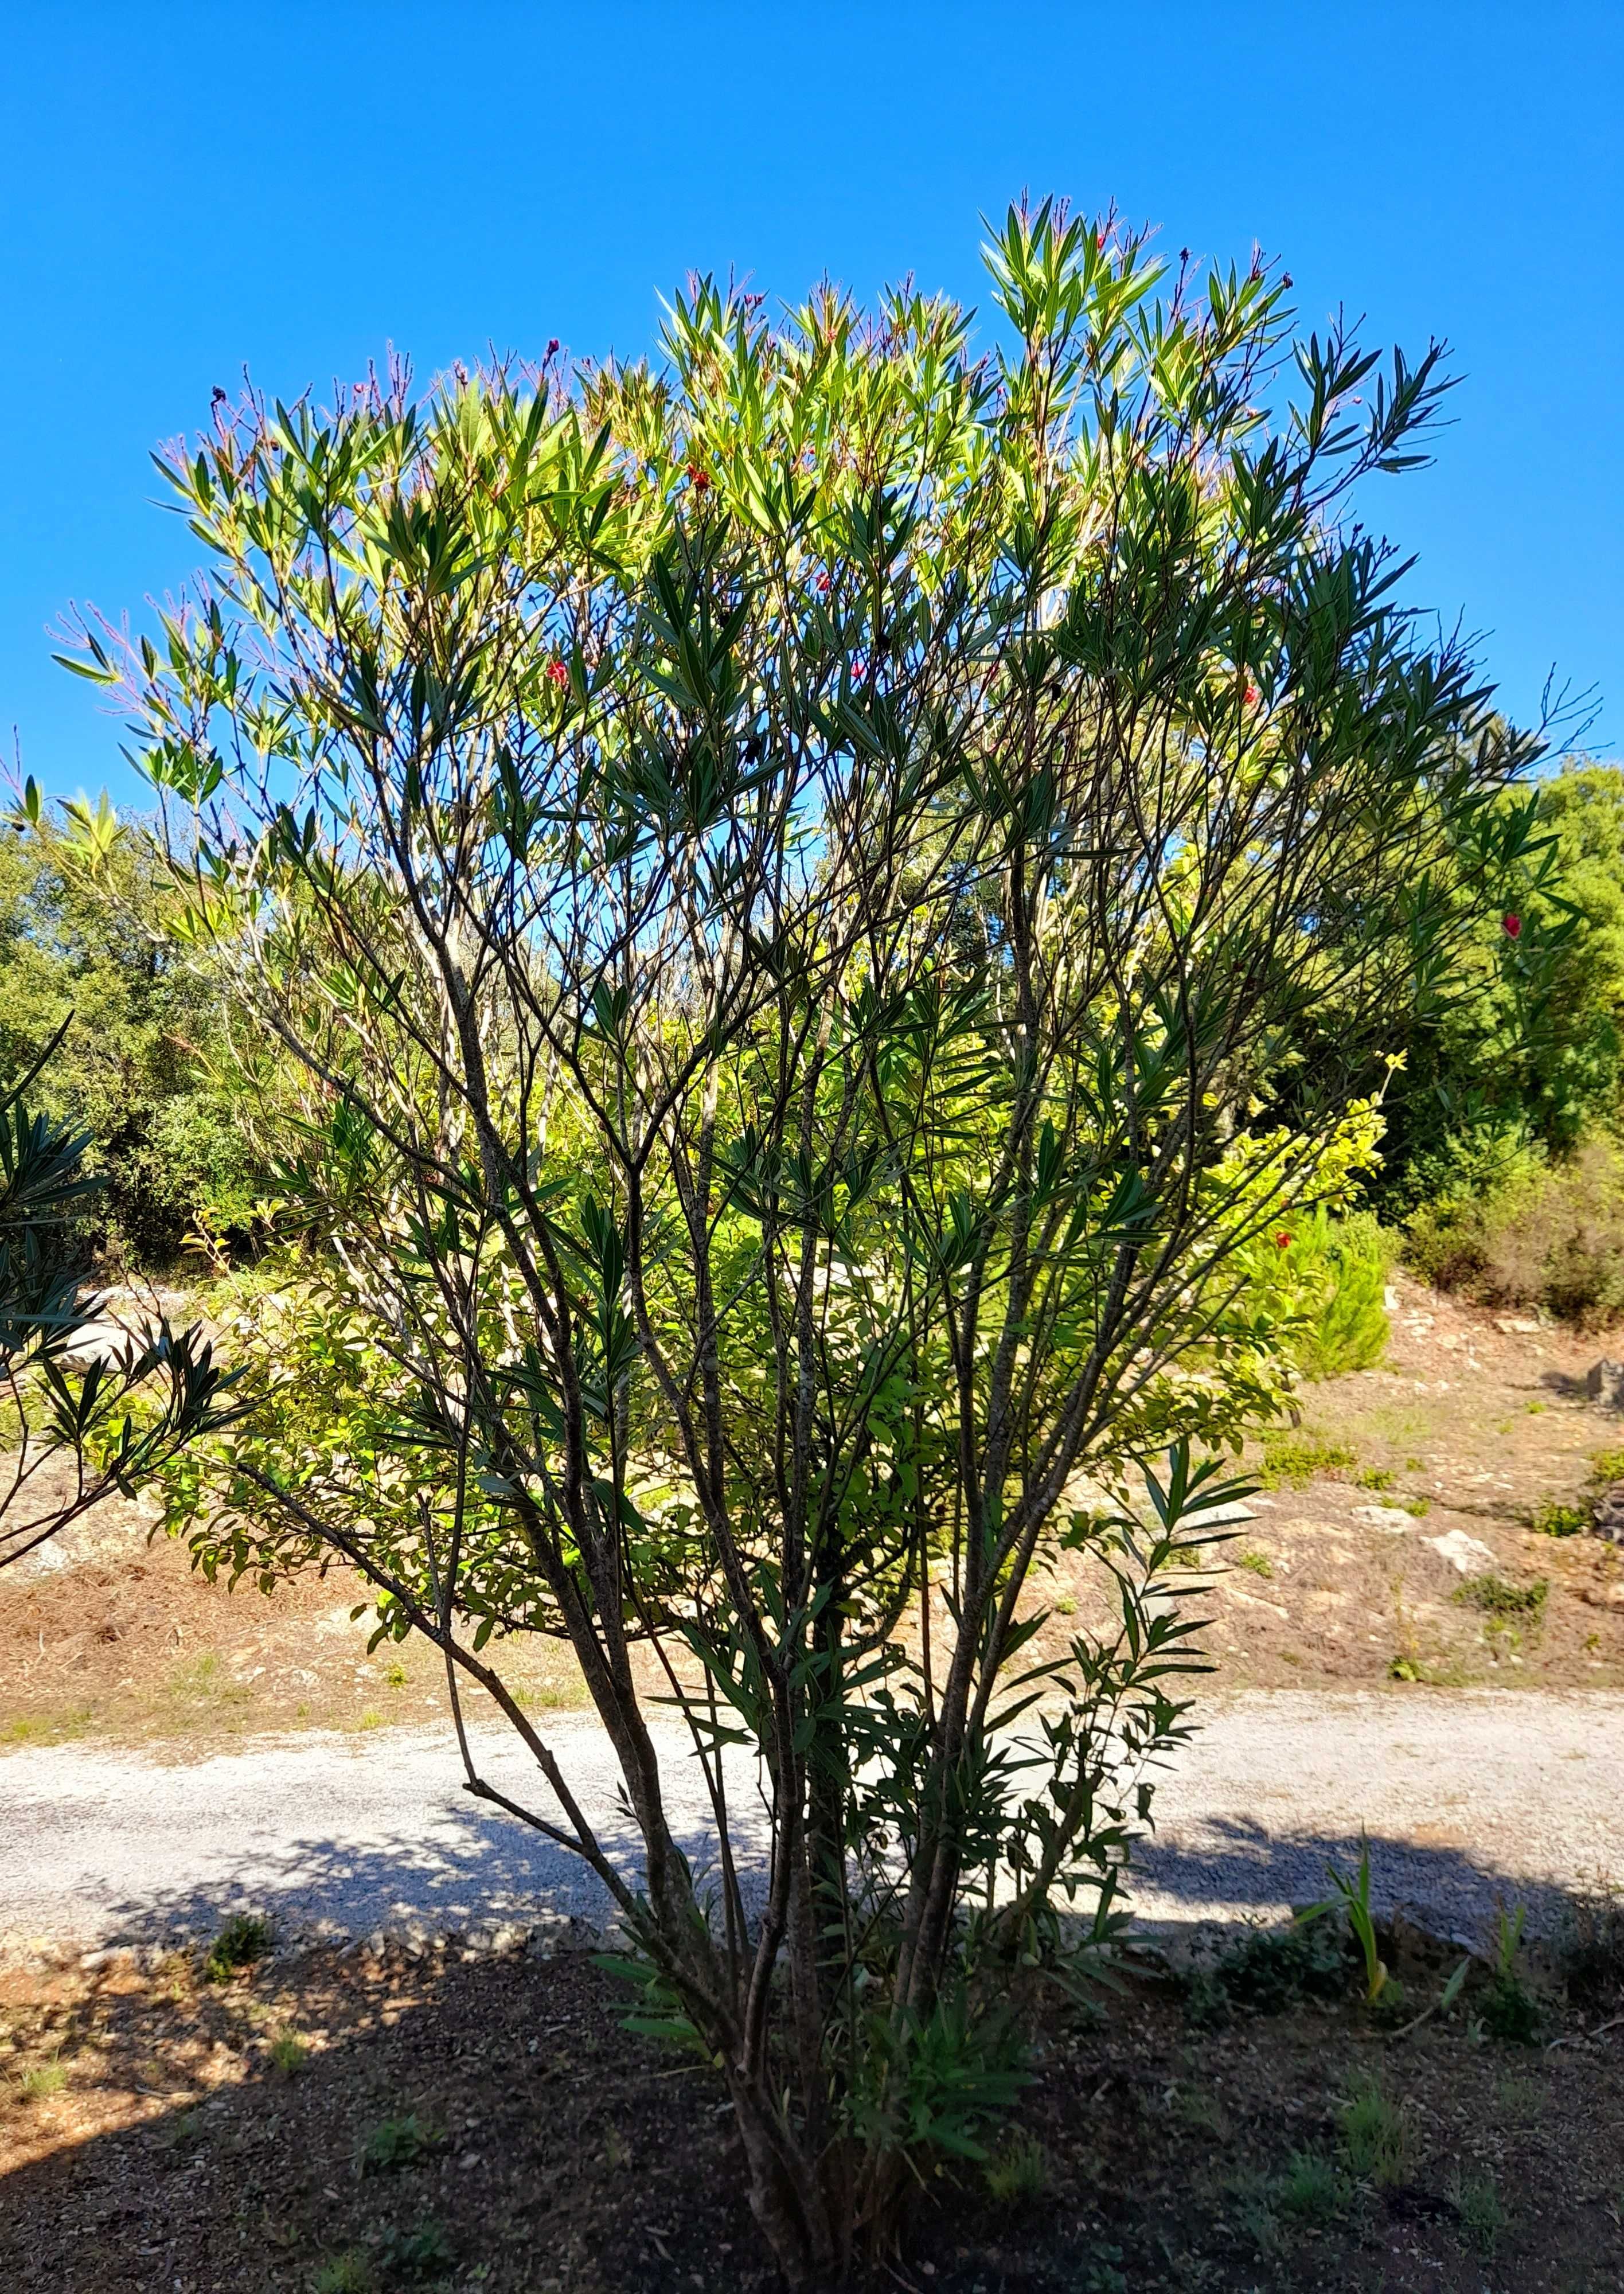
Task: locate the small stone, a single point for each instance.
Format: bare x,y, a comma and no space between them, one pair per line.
1515,1325
1462,1552
1392,1519
1215,1517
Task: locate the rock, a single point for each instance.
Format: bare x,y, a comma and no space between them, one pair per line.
1390,1299
1462,1552
1604,1384
1206,1518
1515,1324
1393,1519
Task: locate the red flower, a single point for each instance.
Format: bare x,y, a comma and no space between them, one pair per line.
698,479
552,346
1252,696
1512,926
557,673
1282,1241
823,584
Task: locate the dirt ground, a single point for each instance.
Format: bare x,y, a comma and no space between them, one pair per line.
489,2123
1468,1428
114,1637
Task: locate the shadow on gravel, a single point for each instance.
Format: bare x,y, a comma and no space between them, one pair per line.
480,1870
1238,1866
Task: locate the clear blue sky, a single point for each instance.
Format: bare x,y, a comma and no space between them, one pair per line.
187,190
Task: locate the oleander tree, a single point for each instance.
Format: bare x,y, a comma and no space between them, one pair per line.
769,894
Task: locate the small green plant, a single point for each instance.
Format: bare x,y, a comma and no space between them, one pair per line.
1551,1519
42,2079
1066,1606
396,2142
1375,1477
181,2132
1271,1970
1375,2135
1313,2189
1420,1507
1350,1896
1482,2214
1606,1466
424,2252
288,2054
349,2272
1535,1408
1259,1564
370,1719
1017,2172
245,1938
394,1674
1509,2009
1295,1458
1498,1597
1200,2111
1256,2215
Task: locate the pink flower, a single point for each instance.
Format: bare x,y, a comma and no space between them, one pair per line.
1512,926
557,674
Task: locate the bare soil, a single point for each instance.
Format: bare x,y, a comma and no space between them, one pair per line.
566,2156
115,1637
1467,1426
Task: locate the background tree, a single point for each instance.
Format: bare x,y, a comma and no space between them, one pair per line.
782,877
132,1074
110,1407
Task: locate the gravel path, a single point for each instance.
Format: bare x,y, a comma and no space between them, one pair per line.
1464,1796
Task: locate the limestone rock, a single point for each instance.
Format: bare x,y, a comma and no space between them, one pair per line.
1462,1552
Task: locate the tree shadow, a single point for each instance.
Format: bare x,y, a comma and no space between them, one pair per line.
1233,1867
477,1873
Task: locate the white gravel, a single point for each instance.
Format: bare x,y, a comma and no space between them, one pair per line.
1465,1796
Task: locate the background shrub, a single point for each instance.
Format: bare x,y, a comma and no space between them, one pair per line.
1545,1234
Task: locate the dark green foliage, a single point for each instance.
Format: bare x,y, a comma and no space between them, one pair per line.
414,2255
130,1075
245,1938
396,2142
1313,2189
1268,1971
1508,2009
111,1419
1496,1596
1553,1519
